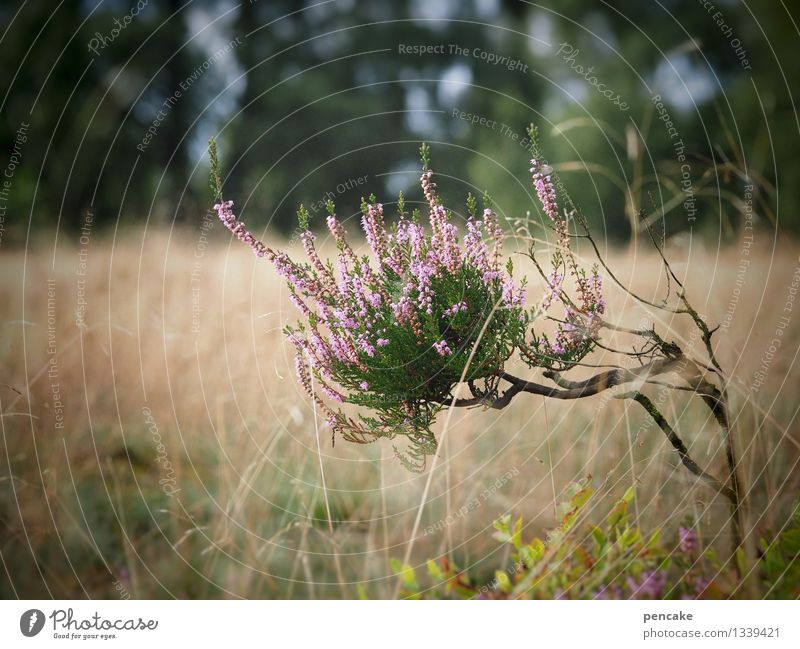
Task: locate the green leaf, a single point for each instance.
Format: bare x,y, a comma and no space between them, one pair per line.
533,137
599,536
630,537
503,533
790,541
425,155
408,577
569,520
516,538
503,581
618,515
630,492
215,172
435,571
741,560
532,553
581,498
302,217
472,205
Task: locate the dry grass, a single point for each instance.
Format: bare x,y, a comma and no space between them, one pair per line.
82,512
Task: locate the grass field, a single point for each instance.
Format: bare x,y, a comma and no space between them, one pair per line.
156,444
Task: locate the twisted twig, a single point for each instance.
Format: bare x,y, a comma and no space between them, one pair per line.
679,364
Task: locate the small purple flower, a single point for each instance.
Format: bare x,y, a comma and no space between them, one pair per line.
651,585
687,539
701,584
441,348
456,308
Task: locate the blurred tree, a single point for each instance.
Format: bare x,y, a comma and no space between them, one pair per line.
318,100
90,82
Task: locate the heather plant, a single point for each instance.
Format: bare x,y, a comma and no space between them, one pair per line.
395,330
614,559
399,331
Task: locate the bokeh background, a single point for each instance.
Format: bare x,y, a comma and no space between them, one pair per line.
154,442
314,94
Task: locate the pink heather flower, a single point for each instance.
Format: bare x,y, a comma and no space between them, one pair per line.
372,224
423,271
225,213
299,367
476,252
441,348
545,191
364,385
358,293
444,241
345,319
456,308
403,310
335,227
429,188
340,349
512,296
307,239
382,342
365,345
416,237
319,346
296,340
492,226
392,263
554,283
323,312
585,325
331,393
301,306
295,276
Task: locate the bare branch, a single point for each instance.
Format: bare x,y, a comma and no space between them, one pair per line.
680,447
